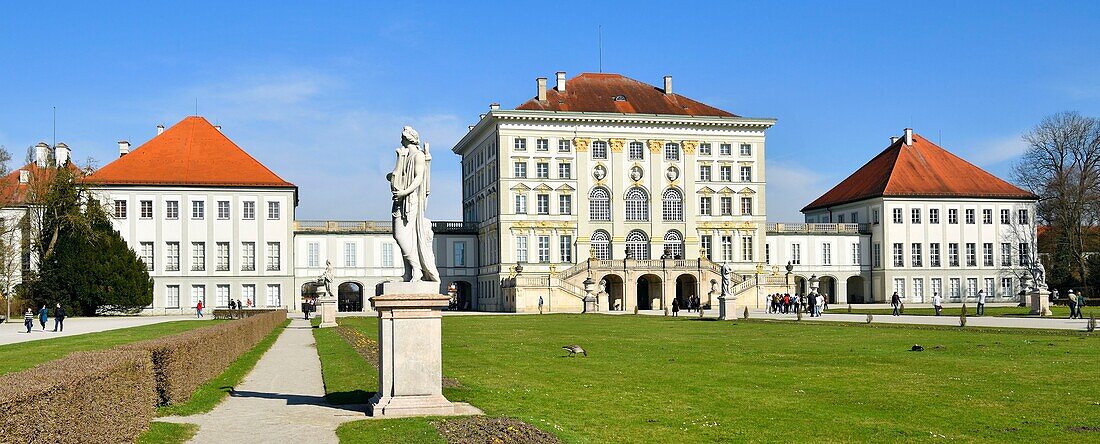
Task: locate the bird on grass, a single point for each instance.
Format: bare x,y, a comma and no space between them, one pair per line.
574,349
917,348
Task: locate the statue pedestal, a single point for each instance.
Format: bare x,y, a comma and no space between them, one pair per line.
410,368
326,306
1040,302
726,308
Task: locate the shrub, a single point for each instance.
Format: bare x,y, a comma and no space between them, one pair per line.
184,361
100,396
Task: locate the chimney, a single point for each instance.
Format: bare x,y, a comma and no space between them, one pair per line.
24,176
561,82
61,153
542,88
668,85
123,148
494,106
909,136
41,154
160,129
893,139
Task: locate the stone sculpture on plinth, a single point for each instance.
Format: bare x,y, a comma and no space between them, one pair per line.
726,299
1039,294
325,299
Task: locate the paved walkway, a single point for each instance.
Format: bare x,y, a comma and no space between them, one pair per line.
14,332
281,400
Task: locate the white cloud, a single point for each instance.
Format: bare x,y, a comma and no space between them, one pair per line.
998,150
791,187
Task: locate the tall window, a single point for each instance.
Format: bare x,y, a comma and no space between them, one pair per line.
223,256
746,150
899,287
916,256
248,256
520,169
934,254
706,241
918,289
953,255
636,151
460,254
897,216
725,173
599,204
990,287
916,215
987,254
274,256
1006,217
601,245
350,255
198,256
565,170
147,255
565,248
672,151
172,296
120,209
273,211
987,216
934,215
874,216
705,205
955,291
855,254
521,203
564,146
542,145
1006,287
970,216
198,209
520,144
544,249
971,255
725,204
674,244
672,205
313,254
953,216
198,293
899,258
796,254
223,210
146,209
599,149
387,255
221,293
937,286
172,210
826,254
637,205
704,173
542,204
637,245
565,204
727,248
1006,254
971,288
876,255
1023,251
274,295
746,174
746,206
747,248
542,170
521,249
1022,218
248,210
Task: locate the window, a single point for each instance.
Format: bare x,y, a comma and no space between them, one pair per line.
387,255
599,204
746,149
987,216
198,209
198,293
934,255
198,256
767,254
971,288
990,287
223,209
725,204
313,254
916,257
542,145
952,216
918,289
674,245
120,209
672,205
521,249
934,215
274,295
460,254
704,173
725,149
953,255
637,205
937,286
520,144
987,254
897,216
172,296
876,255
840,219
248,210
747,248
172,210
248,293
899,287
746,174
520,169
146,209
1022,218
916,215
147,255
637,245
542,170
221,294
565,248
542,203
601,245
796,254
855,217
565,204
725,173
1023,250
521,204
248,256
223,256
1006,287
274,256
874,216
706,241
899,258
599,149
1006,217
636,151
746,206
672,151
855,254
704,149
563,146
954,288
273,211
350,254
704,205
970,216
971,255
1006,254
565,170
727,248
826,254
544,249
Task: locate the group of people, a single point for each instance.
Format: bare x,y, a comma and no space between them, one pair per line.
786,303
59,315
233,305
1076,301
693,303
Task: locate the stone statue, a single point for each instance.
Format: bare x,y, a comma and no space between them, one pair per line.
1040,273
603,288
726,272
326,278
410,184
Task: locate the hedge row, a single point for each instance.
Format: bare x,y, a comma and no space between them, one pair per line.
185,361
101,396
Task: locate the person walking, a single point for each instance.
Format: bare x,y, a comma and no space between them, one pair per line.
819,304
59,318
895,303
1072,304
675,307
541,302
43,315
28,319
981,302
1080,306
198,308
937,303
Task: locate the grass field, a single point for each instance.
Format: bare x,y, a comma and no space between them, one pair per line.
654,379
24,355
1060,311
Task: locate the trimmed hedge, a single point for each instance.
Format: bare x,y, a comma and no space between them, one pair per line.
184,361
98,396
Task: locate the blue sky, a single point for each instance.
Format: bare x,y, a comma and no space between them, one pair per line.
319,91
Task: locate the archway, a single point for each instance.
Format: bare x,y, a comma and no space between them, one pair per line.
464,295
649,292
349,297
613,292
687,289
799,285
826,285
855,290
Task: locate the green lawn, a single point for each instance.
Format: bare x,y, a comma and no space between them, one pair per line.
24,355
654,379
167,433
349,379
1060,311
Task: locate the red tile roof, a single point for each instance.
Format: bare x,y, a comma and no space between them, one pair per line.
922,169
14,192
191,152
592,92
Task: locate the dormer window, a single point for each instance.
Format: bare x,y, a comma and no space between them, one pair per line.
619,98
24,176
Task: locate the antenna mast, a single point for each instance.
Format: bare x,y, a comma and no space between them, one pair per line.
599,40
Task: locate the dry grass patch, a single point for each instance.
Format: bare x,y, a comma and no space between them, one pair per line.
481,429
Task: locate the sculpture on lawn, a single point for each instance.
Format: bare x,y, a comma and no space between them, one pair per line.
727,271
326,278
410,183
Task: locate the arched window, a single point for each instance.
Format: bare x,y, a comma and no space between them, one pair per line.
637,205
601,245
637,245
672,151
674,244
673,205
637,151
599,149
599,204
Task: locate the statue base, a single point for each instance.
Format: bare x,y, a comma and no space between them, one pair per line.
410,362
1040,302
326,307
726,308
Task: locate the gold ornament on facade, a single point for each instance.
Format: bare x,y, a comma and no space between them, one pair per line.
689,146
616,145
656,145
580,144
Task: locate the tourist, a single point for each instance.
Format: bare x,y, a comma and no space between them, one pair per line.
675,307
198,309
937,303
812,304
824,303
981,302
232,305
43,315
540,304
895,303
820,304
249,302
796,302
1072,304
239,306
1080,306
59,318
28,319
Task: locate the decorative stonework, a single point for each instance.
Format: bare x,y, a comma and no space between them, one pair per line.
655,145
581,144
729,225
616,145
542,224
689,146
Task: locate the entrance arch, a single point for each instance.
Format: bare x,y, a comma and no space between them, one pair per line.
855,290
686,289
649,291
799,285
349,297
464,295
613,292
827,285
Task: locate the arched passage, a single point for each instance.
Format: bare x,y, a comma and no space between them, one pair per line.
826,285
799,285
855,290
687,289
465,292
649,292
349,297
612,292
